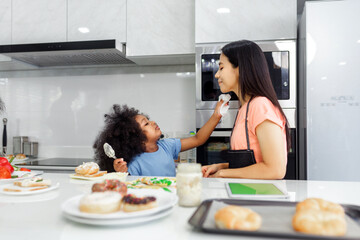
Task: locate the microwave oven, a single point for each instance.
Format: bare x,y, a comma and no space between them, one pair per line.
281,59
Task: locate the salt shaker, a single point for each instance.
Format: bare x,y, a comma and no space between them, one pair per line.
188,184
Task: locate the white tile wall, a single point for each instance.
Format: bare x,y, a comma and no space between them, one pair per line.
63,109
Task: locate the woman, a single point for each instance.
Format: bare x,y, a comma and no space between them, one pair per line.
244,71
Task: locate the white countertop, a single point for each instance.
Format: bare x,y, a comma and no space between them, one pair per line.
40,215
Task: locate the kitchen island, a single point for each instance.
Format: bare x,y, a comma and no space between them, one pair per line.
40,216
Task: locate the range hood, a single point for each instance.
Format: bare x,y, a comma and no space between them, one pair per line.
68,53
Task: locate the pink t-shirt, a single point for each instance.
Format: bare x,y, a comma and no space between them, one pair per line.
260,109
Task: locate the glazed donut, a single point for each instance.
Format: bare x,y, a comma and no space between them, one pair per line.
319,222
87,168
101,202
110,185
320,204
131,203
237,218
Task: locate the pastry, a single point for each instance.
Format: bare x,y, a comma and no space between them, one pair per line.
320,204
237,218
110,185
131,203
319,217
89,169
319,222
33,182
100,202
20,156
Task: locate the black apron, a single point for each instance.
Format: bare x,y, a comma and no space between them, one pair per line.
240,158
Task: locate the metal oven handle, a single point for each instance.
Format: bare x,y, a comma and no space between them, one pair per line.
221,134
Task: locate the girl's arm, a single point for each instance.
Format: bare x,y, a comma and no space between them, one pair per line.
204,133
274,157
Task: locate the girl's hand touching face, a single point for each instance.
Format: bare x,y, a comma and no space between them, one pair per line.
217,108
120,165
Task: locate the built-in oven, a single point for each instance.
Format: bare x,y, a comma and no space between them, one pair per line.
281,59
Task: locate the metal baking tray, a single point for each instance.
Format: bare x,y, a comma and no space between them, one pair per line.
276,219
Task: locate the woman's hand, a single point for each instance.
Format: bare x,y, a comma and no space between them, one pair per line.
210,170
120,165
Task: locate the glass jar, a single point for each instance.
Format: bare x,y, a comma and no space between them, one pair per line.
188,184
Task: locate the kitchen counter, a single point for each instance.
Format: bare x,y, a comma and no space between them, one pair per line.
40,215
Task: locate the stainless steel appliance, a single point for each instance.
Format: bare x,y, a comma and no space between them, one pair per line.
281,58
329,96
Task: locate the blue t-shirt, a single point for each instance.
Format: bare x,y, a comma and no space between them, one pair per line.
159,163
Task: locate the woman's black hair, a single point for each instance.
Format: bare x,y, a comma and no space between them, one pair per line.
123,133
254,76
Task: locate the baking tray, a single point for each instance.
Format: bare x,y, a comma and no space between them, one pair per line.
276,219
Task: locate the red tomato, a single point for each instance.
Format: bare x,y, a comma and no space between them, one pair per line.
4,173
8,167
3,160
25,169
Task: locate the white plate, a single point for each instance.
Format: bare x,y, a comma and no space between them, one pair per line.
164,199
118,175
22,175
26,190
127,221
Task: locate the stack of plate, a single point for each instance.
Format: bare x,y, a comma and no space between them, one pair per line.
165,200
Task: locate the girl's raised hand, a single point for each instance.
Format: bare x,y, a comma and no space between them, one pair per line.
120,165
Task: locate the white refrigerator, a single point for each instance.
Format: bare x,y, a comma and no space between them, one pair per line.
329,91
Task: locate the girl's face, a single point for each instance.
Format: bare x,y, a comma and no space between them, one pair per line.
149,128
227,76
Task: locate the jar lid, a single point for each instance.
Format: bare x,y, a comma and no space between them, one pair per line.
189,167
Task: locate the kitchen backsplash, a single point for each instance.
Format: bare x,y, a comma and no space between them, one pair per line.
63,109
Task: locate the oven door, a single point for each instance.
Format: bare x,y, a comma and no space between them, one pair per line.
210,152
281,59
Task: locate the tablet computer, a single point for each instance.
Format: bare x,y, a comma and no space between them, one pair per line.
255,190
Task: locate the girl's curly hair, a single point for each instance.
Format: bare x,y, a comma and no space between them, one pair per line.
123,133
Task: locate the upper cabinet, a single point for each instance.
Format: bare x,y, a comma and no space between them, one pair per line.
231,20
97,20
5,22
38,21
159,28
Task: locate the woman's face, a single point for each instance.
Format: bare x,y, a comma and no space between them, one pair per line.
149,128
227,76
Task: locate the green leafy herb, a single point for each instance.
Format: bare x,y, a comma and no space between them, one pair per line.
40,180
166,189
14,176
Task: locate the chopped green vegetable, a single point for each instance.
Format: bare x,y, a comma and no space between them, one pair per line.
14,176
166,189
40,180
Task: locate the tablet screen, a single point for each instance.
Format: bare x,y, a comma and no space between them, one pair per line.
254,189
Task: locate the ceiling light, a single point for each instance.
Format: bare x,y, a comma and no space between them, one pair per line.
223,10
83,29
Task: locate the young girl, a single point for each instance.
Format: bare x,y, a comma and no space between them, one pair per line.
136,140
244,71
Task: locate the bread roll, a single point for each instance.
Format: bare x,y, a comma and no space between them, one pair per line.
100,202
237,218
320,204
313,221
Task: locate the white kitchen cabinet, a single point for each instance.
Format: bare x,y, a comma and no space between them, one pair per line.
38,21
5,22
158,27
231,20
97,20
